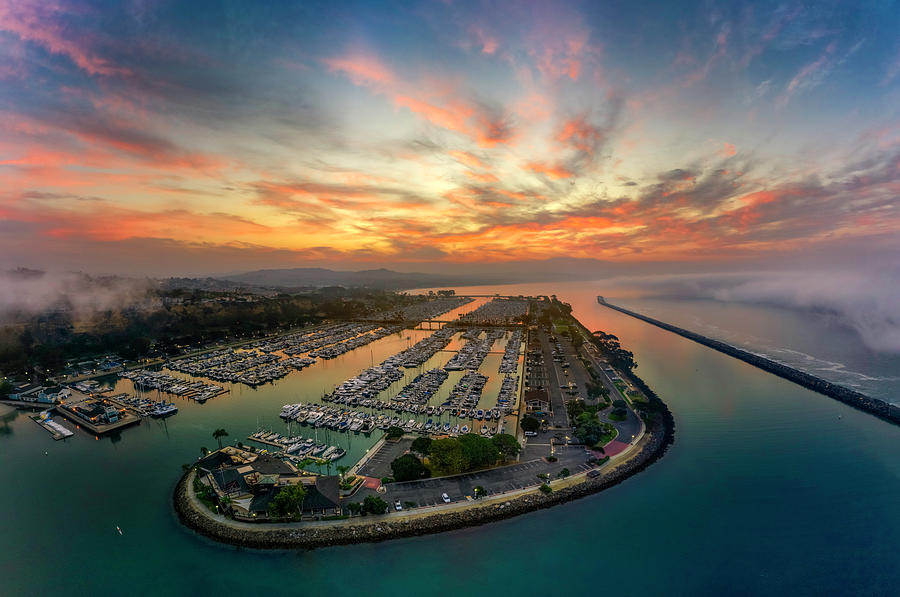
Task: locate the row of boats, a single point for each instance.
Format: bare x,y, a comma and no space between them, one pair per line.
308,341
361,422
195,390
319,415
473,353
146,407
510,361
236,366
300,447
420,311
498,311
336,350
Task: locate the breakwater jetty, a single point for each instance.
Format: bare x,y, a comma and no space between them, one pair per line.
879,408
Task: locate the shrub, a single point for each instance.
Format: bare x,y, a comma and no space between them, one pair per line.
374,505
545,488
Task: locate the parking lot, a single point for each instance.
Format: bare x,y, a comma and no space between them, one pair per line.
379,466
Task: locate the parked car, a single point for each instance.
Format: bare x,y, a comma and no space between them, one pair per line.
446,498
398,505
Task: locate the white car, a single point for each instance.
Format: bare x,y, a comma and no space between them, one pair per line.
397,505
446,498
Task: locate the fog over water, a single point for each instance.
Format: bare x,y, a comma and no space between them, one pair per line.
867,302
842,327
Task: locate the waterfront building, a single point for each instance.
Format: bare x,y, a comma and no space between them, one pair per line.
250,481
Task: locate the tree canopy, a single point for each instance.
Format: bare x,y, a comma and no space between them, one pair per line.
422,445
529,423
288,502
374,505
447,456
506,445
394,432
480,451
409,468
590,430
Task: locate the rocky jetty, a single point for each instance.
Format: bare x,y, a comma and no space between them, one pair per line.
879,408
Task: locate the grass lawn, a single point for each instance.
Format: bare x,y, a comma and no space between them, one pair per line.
607,437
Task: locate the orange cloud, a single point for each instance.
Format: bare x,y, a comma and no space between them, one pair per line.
482,176
581,135
554,171
362,69
469,159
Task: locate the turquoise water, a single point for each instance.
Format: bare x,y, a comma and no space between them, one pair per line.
769,488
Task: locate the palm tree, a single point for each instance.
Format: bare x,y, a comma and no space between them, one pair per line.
218,434
342,470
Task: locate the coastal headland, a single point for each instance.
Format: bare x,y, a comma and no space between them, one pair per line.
879,408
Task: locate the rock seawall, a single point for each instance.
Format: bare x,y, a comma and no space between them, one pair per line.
879,408
382,528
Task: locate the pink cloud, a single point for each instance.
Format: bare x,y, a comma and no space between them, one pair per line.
40,23
362,69
488,43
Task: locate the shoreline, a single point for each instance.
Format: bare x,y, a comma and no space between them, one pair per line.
873,406
194,515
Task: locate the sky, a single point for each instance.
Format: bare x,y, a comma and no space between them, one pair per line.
191,138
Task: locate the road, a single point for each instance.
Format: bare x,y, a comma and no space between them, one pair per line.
495,481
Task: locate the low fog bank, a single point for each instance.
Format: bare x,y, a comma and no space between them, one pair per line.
866,301
32,292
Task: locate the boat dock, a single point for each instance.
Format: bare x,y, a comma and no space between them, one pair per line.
57,430
266,442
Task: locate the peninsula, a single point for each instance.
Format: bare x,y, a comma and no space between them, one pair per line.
566,419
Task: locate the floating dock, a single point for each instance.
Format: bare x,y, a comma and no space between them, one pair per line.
57,430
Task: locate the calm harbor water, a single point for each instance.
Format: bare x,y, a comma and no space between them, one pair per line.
769,488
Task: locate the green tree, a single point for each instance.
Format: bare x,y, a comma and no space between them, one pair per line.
218,434
288,502
529,423
374,505
447,456
422,445
506,445
590,430
408,468
394,432
354,507
479,451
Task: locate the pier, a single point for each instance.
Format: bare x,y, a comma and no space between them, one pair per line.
57,430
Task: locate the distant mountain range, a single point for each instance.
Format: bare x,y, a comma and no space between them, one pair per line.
383,279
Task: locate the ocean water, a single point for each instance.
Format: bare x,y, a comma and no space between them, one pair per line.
769,488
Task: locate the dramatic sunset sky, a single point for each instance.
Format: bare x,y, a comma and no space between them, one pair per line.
204,137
